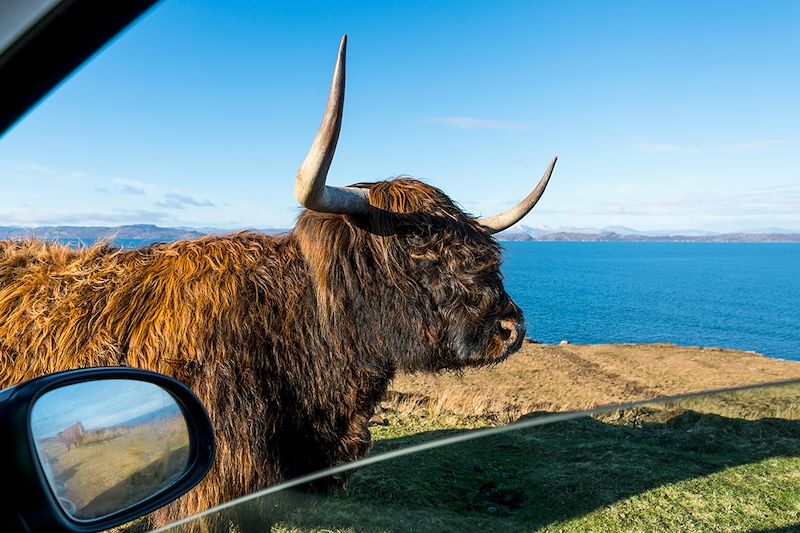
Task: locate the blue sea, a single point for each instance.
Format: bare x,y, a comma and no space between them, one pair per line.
744,296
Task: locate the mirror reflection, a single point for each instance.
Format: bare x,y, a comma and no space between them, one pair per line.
106,445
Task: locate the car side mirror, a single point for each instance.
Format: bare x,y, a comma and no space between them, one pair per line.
94,448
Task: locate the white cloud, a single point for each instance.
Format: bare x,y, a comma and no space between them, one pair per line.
56,218
766,201
130,189
475,123
136,188
181,201
32,168
28,168
160,197
761,144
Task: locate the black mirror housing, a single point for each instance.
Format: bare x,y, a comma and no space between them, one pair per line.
31,504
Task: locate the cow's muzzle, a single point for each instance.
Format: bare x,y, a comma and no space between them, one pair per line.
512,333
510,327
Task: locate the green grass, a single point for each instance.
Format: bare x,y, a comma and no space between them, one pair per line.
679,467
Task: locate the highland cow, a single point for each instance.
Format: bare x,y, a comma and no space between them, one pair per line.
72,436
290,341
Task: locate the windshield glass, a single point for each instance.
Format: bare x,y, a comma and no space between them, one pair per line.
722,461
152,219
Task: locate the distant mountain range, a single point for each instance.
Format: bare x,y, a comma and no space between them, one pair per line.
623,234
144,233
134,232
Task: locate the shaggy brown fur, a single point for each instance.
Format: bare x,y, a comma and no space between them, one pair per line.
289,341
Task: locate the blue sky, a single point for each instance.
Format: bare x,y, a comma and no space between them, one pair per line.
669,115
97,405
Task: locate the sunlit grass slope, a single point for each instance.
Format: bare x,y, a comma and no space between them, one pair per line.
722,463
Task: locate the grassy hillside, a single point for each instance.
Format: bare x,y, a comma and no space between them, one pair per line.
727,462
567,378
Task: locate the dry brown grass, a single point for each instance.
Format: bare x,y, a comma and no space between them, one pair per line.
108,474
576,377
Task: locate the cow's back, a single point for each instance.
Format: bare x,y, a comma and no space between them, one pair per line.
159,308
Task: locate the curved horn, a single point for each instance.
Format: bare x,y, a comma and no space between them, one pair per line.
512,216
309,187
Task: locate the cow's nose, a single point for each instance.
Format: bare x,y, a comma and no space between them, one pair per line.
511,332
